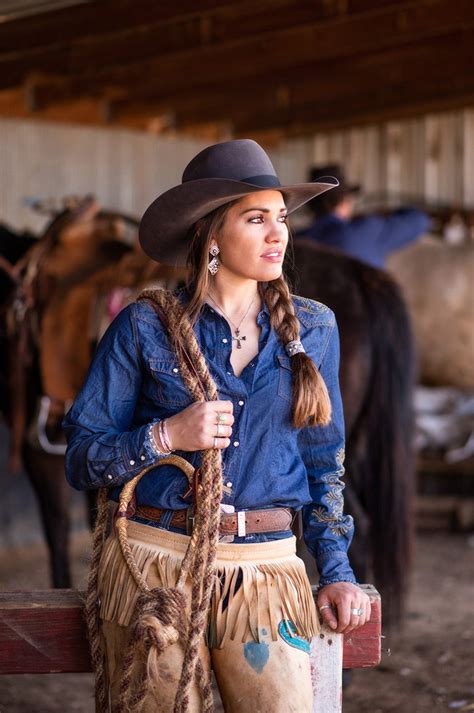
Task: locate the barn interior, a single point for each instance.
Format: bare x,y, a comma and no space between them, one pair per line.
111,99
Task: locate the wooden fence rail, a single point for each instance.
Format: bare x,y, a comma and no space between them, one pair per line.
44,631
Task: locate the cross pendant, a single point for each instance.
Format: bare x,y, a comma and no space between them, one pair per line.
238,338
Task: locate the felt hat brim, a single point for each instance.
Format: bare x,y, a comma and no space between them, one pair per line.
166,223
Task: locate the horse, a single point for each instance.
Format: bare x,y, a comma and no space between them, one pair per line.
442,319
377,373
48,330
28,287
376,380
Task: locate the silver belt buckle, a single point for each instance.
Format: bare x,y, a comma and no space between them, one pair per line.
241,528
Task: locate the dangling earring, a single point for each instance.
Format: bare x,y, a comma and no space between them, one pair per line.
213,265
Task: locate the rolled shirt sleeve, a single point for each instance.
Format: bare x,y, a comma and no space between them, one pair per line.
327,531
103,450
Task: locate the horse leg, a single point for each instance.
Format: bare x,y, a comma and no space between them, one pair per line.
46,473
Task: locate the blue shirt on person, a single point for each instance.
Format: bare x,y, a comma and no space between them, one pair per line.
134,379
369,238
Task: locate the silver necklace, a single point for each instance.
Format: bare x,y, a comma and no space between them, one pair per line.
237,337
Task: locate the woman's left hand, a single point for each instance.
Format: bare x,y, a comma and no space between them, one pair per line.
337,604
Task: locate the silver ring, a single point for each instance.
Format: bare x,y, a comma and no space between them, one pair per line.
215,441
357,612
219,427
220,417
324,606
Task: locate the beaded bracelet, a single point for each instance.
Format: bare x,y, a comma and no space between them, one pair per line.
156,447
164,435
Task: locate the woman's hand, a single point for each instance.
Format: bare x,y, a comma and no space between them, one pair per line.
336,602
205,424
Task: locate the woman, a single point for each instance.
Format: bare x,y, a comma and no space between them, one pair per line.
277,423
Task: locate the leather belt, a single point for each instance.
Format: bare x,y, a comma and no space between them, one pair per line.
248,521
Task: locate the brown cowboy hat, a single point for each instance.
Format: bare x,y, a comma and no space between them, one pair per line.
217,175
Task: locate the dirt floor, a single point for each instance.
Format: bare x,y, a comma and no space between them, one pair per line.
426,668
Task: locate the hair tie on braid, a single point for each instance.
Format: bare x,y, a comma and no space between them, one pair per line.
294,347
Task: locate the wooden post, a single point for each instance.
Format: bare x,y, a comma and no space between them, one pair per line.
326,671
331,652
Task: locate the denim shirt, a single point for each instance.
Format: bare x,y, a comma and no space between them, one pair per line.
134,379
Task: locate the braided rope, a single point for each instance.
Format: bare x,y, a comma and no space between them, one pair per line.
159,618
197,379
92,604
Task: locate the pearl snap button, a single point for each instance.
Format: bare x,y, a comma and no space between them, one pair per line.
132,462
228,373
175,370
109,476
224,341
241,403
142,457
229,484
236,443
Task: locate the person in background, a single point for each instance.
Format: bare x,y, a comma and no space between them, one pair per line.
370,238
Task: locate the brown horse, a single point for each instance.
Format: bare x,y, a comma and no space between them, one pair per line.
48,332
47,269
376,377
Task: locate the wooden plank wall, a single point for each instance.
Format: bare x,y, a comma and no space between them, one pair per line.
430,156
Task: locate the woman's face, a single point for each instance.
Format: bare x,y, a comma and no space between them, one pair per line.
253,238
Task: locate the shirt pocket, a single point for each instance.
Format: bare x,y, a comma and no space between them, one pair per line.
285,378
166,379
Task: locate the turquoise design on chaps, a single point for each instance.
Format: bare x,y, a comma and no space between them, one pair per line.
287,631
256,655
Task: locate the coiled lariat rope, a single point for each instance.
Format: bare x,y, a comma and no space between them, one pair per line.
160,617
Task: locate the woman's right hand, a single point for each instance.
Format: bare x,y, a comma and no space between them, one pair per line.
196,427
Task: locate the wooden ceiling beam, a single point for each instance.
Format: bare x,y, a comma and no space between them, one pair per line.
101,18
394,102
266,56
332,90
319,83
105,17
135,43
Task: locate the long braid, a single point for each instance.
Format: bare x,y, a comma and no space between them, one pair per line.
311,402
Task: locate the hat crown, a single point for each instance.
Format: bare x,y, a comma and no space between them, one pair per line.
332,169
237,160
